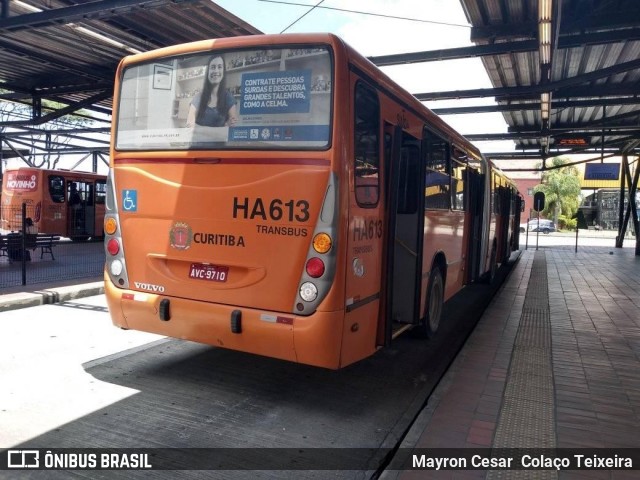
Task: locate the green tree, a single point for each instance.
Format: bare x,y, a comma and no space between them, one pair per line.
561,187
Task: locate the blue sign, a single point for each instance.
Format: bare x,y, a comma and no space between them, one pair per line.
280,133
130,200
602,171
264,93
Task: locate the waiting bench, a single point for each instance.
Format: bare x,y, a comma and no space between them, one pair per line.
13,243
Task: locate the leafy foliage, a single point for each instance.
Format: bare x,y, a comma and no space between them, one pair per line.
567,223
561,187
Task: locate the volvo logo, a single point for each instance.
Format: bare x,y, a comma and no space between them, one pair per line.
150,287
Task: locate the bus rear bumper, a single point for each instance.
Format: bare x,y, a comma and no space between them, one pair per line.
313,340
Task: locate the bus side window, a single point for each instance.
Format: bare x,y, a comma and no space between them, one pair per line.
458,186
101,191
56,188
387,163
367,146
89,194
408,179
437,175
458,177
497,187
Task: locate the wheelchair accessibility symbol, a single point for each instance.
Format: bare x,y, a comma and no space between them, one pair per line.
130,200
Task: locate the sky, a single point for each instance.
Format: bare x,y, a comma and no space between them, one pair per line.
428,25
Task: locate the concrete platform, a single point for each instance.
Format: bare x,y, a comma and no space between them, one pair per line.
553,363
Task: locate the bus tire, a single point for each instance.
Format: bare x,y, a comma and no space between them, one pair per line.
430,324
508,250
493,265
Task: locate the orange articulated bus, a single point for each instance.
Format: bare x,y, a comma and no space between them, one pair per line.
64,202
280,195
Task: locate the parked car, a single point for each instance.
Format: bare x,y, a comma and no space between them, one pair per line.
546,226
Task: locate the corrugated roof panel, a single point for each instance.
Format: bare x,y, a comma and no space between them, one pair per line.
595,39
59,54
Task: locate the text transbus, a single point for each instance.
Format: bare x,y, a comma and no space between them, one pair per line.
64,202
280,195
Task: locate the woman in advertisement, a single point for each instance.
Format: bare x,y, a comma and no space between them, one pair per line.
215,106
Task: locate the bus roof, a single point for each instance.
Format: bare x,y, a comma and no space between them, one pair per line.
61,171
375,75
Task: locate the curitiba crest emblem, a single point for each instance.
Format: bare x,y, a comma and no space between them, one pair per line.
180,236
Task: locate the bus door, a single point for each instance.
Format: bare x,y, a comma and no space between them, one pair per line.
475,204
81,212
504,207
55,215
405,231
519,206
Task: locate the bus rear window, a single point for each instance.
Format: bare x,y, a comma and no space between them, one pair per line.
277,98
56,188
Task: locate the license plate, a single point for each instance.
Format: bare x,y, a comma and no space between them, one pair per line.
213,273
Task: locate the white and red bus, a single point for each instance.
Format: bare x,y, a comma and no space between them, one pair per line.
63,202
319,211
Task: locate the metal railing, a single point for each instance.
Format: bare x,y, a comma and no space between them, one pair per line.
22,263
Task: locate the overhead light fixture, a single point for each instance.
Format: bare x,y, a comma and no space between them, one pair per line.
545,54
544,10
544,112
82,30
103,38
544,30
545,105
26,6
544,33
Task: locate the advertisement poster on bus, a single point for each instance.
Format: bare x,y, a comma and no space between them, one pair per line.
267,98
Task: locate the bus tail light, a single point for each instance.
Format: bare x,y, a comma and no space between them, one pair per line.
319,268
110,226
113,246
116,266
315,267
322,242
308,292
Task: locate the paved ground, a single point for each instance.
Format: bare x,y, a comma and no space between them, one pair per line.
71,379
75,262
554,362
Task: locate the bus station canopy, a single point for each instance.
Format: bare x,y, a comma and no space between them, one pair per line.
59,57
565,74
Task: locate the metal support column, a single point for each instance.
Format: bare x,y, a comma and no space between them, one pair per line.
631,210
621,231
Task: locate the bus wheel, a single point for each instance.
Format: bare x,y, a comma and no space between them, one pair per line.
493,268
435,301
